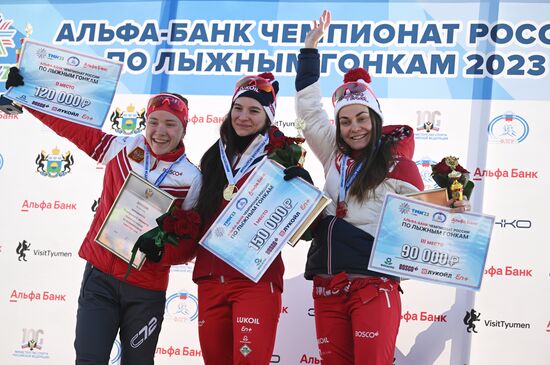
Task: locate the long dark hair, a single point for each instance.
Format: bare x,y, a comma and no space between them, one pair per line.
376,157
213,174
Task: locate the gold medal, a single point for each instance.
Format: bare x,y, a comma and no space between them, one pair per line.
229,191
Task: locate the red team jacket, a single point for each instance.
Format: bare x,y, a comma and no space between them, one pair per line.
121,155
209,266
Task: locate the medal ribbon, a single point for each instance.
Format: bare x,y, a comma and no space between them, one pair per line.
232,179
165,173
344,185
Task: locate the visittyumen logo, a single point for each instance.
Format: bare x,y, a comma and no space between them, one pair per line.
22,247
469,320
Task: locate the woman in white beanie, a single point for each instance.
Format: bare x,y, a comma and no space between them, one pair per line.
357,311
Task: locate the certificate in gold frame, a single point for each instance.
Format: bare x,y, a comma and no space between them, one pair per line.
134,212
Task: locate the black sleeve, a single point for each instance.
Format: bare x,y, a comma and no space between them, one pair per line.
308,68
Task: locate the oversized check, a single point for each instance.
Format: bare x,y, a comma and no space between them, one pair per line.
66,84
134,212
265,214
418,240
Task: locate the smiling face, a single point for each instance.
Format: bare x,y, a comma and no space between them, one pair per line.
164,132
355,126
247,116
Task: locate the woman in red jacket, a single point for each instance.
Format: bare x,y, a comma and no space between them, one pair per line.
237,317
109,303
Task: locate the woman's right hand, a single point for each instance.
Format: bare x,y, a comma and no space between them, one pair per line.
318,30
14,78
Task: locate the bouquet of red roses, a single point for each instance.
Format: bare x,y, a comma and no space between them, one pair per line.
449,170
288,152
284,150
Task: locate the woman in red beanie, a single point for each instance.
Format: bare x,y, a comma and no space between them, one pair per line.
109,303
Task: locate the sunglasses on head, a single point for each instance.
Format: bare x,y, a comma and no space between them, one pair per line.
347,89
173,102
259,82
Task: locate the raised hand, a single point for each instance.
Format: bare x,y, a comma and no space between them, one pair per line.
318,30
14,78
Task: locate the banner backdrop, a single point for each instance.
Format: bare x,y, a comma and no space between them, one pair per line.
471,77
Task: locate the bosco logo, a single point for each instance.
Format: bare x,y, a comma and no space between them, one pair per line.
182,307
54,164
508,128
128,122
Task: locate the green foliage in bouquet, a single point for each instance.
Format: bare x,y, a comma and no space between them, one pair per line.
284,150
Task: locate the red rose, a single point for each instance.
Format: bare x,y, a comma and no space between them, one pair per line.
295,140
441,168
462,169
276,139
187,223
168,224
282,149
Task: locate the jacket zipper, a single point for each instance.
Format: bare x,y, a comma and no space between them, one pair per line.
329,245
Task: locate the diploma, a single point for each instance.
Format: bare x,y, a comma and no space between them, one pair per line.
423,241
265,214
66,84
134,212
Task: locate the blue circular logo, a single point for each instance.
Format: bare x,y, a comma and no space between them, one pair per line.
1,161
73,61
182,307
508,128
425,168
439,217
241,203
